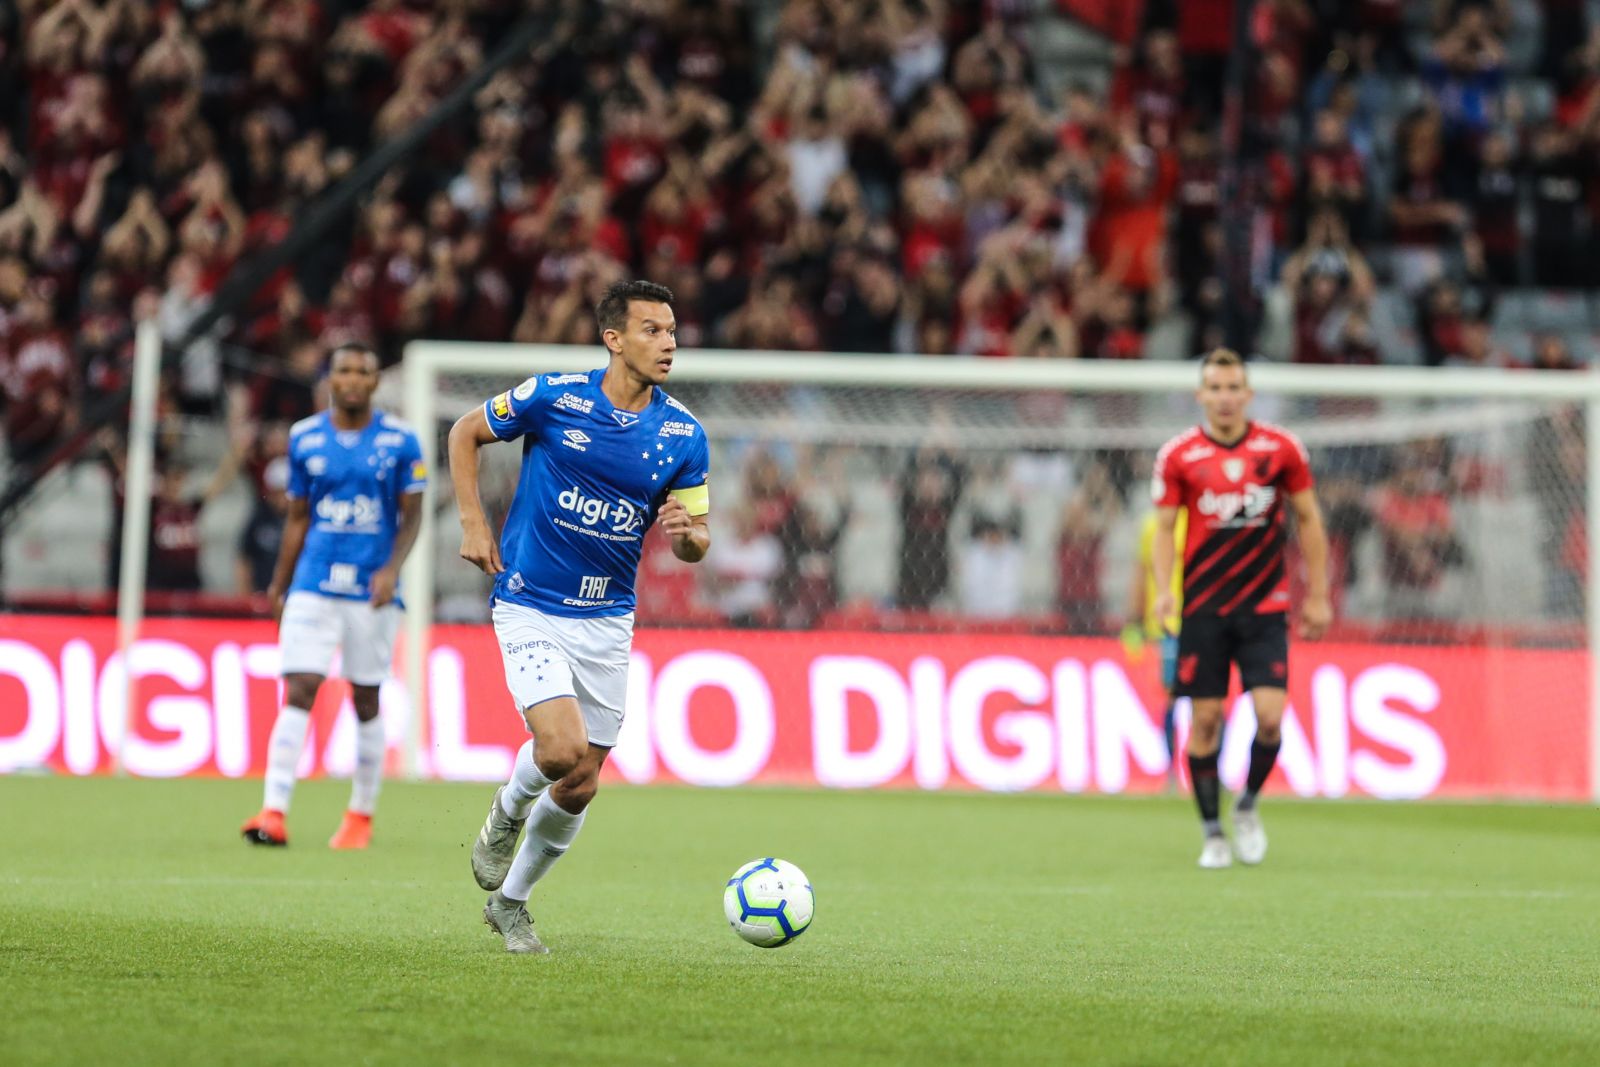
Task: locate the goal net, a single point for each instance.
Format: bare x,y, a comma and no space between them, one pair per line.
968,504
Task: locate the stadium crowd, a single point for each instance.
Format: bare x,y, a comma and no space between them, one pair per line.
885,177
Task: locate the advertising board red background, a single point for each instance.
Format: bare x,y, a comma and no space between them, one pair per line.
726,707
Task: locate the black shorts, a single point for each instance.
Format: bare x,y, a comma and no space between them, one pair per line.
1209,646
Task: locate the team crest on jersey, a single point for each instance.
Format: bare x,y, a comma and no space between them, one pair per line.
501,406
514,583
1233,467
566,379
624,418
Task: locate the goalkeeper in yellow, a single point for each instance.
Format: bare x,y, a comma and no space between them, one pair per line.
1142,625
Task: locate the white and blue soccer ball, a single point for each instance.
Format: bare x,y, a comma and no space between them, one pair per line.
769,902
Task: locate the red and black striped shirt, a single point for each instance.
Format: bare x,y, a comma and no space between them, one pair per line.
1233,560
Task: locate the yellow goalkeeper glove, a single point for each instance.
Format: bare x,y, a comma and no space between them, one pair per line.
1133,642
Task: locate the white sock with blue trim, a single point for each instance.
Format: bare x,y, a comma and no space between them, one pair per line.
550,833
283,756
527,784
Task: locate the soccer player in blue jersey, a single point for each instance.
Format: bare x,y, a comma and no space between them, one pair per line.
604,455
356,477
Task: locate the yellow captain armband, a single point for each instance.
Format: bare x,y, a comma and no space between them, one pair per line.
696,498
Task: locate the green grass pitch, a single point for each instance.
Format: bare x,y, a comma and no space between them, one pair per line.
136,927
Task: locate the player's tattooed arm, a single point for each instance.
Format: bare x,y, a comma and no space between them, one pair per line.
295,526
479,546
691,534
387,577
1316,612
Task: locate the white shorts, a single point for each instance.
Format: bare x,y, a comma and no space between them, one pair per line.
547,656
314,625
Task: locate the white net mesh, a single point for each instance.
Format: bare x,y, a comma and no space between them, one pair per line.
919,508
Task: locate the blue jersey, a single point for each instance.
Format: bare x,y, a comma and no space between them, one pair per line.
353,481
593,479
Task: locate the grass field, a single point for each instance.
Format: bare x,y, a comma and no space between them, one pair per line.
135,927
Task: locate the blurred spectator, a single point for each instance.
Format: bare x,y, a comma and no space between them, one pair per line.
929,490
1560,210
1414,518
1089,515
1331,286
1477,347
262,535
991,567
40,379
1425,218
807,588
1550,352
1496,197
1466,72
1335,174
743,572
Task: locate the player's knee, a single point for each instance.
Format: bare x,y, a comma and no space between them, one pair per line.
558,757
364,698
574,795
1268,733
301,690
1205,727
1203,741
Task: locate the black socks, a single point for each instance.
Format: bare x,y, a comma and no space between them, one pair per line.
1203,774
1262,759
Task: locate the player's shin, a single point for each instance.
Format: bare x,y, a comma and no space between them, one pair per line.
1262,759
527,784
1207,789
551,830
283,756
368,776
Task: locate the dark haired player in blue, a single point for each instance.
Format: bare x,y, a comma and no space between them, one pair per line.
604,454
355,503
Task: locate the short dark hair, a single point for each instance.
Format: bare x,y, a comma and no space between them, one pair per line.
612,310
351,346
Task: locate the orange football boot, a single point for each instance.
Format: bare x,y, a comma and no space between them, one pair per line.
266,828
354,832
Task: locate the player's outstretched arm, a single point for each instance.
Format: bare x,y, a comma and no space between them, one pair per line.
295,526
691,534
1317,612
479,546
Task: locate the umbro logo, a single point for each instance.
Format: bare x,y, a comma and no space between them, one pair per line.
575,439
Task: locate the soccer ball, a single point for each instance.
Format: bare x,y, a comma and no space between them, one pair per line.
768,902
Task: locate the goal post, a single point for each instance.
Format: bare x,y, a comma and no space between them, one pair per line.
1493,427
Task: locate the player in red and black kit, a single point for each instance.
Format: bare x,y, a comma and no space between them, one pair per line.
1234,477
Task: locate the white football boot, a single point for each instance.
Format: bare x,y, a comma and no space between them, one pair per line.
509,919
1216,854
1249,837
495,845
